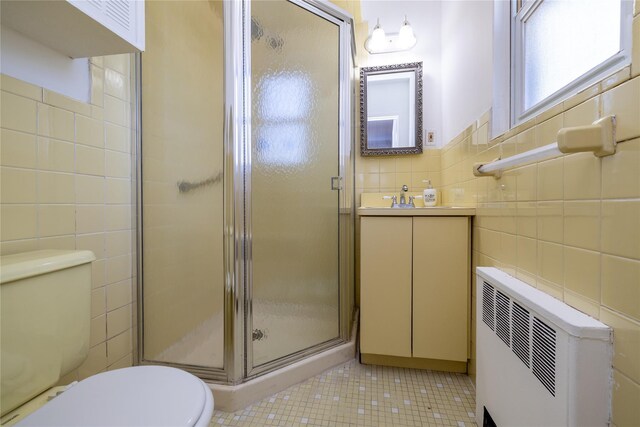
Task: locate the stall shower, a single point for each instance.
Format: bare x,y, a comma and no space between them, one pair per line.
245,185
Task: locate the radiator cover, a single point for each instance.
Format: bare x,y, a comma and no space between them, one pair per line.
540,362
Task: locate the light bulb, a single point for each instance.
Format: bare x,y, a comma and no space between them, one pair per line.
406,37
378,37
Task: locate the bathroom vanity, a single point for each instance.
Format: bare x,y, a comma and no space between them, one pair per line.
415,287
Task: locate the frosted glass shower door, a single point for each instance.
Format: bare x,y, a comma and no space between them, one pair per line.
182,183
295,83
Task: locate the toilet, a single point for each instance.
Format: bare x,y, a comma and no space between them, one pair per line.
45,323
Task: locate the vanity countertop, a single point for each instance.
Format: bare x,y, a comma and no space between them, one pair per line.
417,211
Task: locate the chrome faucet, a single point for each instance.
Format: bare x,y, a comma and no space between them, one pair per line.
403,200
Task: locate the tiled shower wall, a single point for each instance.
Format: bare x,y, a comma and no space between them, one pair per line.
66,184
569,226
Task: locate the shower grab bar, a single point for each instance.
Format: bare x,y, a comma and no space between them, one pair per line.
598,137
186,186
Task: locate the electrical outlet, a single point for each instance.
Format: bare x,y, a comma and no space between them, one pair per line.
431,137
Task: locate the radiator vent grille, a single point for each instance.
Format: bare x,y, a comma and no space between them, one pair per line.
521,332
488,305
503,327
119,11
96,3
544,354
530,339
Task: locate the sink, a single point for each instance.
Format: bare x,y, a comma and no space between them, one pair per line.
417,211
383,200
414,208
380,204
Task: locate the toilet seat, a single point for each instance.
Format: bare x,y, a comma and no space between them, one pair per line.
138,396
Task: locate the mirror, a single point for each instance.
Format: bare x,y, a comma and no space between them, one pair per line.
391,109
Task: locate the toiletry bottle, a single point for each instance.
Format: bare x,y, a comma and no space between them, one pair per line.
429,195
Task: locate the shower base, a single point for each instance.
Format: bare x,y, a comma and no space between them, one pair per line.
204,345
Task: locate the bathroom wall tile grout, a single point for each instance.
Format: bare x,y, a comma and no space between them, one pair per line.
79,158
577,222
457,184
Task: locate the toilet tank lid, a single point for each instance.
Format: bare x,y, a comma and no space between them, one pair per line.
28,264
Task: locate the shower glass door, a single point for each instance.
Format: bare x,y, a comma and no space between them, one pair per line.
292,201
182,182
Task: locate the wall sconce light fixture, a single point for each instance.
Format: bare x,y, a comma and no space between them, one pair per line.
379,42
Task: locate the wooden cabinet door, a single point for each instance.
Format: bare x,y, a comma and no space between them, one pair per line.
385,285
440,287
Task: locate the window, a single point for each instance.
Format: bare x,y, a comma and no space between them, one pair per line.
382,131
557,48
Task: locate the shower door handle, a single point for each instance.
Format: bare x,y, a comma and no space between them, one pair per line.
336,183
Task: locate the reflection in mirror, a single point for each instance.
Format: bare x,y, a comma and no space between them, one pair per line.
391,109
389,112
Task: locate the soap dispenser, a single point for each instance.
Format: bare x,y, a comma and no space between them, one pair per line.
429,195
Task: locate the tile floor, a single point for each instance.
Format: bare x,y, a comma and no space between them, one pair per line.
361,395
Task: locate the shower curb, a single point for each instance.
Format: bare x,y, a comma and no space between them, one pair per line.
230,398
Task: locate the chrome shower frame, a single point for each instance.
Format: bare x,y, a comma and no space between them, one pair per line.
238,364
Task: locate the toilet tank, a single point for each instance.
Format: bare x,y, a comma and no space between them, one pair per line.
44,320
